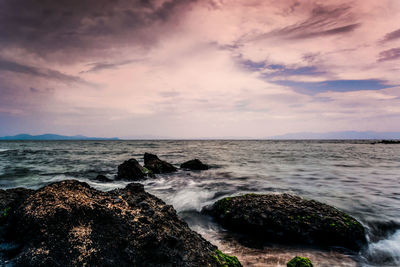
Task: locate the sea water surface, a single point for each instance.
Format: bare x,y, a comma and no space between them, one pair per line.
357,177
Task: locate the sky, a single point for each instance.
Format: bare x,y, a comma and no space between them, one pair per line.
198,69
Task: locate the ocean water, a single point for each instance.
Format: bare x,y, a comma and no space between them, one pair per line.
357,177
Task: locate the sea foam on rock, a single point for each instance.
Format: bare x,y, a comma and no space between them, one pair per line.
289,219
156,165
69,223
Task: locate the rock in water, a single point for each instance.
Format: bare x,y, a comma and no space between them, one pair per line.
289,219
131,170
300,262
194,164
69,223
153,163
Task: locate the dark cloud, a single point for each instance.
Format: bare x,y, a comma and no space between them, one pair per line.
48,27
98,66
41,72
391,36
390,54
323,21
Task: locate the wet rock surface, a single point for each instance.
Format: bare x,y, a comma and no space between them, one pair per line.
69,223
131,170
153,163
288,219
194,164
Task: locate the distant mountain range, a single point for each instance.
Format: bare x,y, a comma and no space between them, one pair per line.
339,135
53,137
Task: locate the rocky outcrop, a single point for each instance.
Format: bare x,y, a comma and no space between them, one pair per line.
153,163
131,170
287,218
194,164
69,223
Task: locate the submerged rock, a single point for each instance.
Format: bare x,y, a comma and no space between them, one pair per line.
69,223
153,163
300,262
289,219
131,170
194,164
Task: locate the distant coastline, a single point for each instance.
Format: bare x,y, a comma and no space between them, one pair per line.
49,137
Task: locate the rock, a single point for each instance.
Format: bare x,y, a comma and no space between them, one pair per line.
153,163
288,219
300,262
131,170
194,164
102,178
69,223
387,142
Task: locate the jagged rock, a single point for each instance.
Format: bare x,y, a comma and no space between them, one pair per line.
69,223
287,218
194,164
131,170
300,262
153,163
102,178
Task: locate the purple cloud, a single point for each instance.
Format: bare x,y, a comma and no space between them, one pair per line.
390,54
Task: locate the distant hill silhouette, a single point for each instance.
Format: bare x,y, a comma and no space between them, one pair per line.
53,137
340,135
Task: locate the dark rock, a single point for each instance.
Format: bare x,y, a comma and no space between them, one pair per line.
289,219
387,142
102,178
300,262
131,170
153,163
194,164
69,223
9,200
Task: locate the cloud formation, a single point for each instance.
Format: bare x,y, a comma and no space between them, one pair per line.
205,68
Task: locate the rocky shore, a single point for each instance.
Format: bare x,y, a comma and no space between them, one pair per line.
69,223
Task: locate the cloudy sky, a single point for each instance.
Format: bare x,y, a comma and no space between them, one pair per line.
205,68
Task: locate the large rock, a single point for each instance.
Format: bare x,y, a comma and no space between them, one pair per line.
131,170
153,163
69,223
289,219
194,164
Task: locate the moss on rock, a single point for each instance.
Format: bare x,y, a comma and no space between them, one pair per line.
225,260
300,262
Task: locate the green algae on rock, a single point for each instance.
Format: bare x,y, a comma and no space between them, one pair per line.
225,260
300,262
289,219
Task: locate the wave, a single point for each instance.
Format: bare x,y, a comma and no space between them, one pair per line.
385,252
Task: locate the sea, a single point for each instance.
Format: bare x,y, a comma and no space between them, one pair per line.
357,177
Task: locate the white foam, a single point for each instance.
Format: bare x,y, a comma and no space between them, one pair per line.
387,249
3,149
